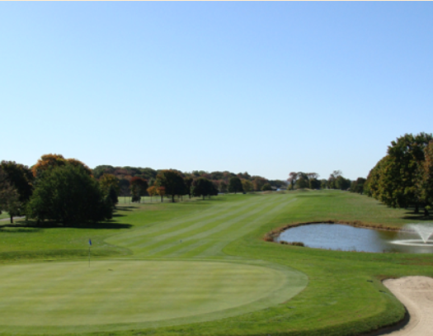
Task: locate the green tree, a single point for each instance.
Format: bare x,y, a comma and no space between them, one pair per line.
98,171
342,183
9,197
293,176
20,177
357,186
372,184
203,187
188,184
235,185
314,183
266,187
247,185
173,182
302,182
223,187
138,187
258,182
333,178
324,184
400,177
110,185
427,178
68,194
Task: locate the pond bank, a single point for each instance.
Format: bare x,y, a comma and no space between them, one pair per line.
270,236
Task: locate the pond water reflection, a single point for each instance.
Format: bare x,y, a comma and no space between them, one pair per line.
348,238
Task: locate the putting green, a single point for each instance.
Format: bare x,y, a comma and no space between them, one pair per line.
70,296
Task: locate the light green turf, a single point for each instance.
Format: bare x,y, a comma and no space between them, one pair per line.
203,233
344,295
53,297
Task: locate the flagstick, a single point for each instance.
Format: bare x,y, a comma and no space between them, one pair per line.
89,256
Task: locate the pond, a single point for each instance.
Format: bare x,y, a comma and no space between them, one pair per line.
348,238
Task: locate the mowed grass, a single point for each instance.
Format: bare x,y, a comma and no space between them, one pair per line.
344,295
52,297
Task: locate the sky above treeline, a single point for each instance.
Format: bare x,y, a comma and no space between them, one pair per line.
262,87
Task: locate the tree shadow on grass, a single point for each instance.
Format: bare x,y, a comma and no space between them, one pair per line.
417,217
34,226
11,228
125,208
412,215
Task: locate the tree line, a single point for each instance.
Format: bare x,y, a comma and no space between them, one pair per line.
68,191
403,178
301,180
220,180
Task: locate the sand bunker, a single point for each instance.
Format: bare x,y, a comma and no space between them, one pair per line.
416,293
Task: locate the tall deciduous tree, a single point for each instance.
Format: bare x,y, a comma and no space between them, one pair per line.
223,186
342,183
138,187
235,185
173,182
203,187
9,196
188,184
314,183
20,177
293,176
401,175
358,185
152,191
68,194
110,185
398,180
259,182
333,179
161,192
247,185
48,161
302,183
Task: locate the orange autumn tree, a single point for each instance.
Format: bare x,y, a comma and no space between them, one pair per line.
161,192
56,160
47,161
152,191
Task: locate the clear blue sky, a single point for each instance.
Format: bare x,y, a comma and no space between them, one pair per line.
263,87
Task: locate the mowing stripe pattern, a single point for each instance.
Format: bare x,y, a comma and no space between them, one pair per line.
204,234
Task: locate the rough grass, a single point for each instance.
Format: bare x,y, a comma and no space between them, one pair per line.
344,295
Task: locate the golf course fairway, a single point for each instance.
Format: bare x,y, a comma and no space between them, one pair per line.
202,267
47,297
